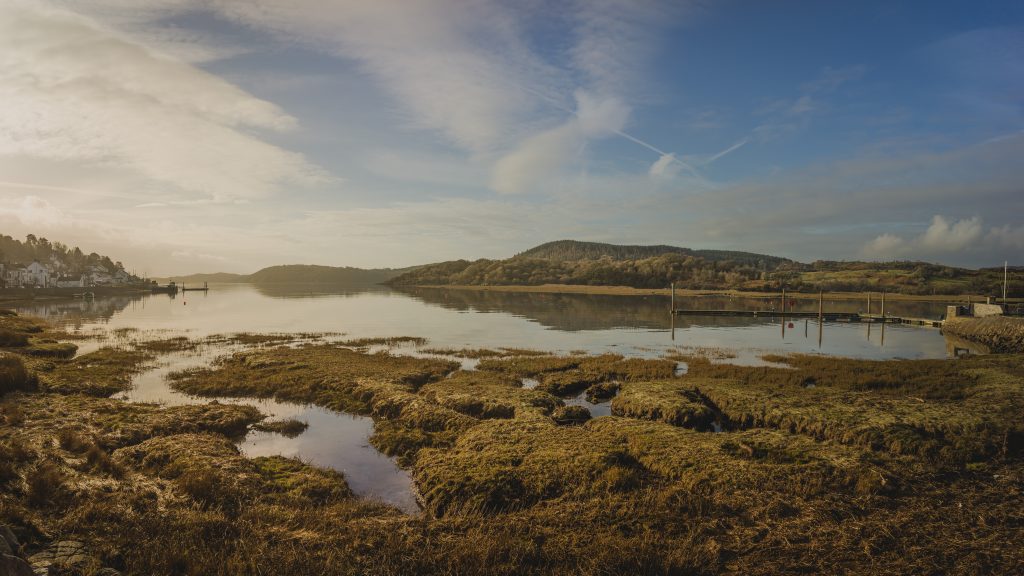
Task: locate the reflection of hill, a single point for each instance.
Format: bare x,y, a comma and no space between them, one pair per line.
573,312
76,312
316,289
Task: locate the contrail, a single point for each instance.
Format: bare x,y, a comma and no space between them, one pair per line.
555,104
732,148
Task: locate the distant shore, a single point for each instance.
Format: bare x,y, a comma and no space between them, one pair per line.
628,291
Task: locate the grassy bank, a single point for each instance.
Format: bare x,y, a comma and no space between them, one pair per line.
825,466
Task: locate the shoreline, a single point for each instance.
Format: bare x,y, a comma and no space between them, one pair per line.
629,291
51,294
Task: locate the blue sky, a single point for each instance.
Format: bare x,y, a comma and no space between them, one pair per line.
201,135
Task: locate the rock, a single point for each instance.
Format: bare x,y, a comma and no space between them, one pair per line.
62,555
14,566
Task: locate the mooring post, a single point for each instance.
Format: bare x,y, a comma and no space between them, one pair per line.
783,302
821,302
869,303
673,308
883,307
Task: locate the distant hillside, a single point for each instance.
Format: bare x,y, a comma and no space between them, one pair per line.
574,250
222,277
299,274
595,264
305,273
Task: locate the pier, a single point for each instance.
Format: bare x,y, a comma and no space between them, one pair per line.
826,316
821,315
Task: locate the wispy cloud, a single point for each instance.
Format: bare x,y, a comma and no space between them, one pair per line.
76,92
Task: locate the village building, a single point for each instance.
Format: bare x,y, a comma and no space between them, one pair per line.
70,282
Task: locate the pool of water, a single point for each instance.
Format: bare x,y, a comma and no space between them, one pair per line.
333,439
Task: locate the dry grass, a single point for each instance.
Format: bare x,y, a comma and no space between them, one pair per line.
567,375
14,375
488,395
101,373
948,412
809,480
289,428
676,402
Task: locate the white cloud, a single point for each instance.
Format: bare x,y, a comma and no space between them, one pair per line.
74,91
34,211
667,166
1008,236
535,165
884,246
941,236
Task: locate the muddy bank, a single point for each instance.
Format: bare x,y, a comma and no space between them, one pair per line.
1000,334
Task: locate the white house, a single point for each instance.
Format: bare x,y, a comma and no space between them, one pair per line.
98,276
37,274
70,282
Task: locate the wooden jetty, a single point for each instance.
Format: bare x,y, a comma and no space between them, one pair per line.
205,288
170,288
826,316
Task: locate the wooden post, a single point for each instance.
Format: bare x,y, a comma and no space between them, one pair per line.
783,313
673,309
869,303
821,301
883,306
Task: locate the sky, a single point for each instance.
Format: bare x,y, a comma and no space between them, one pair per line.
185,136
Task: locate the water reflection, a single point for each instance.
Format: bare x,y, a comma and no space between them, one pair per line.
631,325
333,439
76,312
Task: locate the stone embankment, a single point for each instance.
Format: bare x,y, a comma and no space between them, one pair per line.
1000,334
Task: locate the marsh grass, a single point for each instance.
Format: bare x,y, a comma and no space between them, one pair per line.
289,428
45,485
809,483
14,375
73,440
676,402
488,395
387,341
948,412
567,375
101,373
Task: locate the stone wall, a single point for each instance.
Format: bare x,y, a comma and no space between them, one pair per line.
1000,334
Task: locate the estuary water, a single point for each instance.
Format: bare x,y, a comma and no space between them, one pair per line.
628,325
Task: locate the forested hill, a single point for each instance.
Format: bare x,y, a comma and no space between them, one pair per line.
573,250
59,257
593,264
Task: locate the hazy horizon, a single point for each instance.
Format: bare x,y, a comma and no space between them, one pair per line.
197,136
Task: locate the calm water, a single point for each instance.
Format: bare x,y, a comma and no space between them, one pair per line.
627,325
460,318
